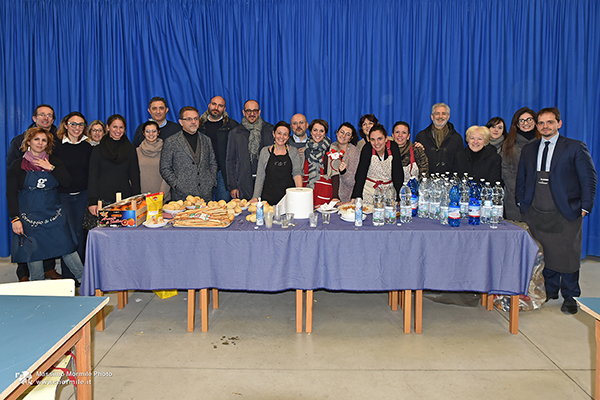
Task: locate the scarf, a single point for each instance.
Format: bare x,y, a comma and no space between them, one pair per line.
151,149
115,151
406,148
497,143
28,159
527,135
314,153
440,134
255,136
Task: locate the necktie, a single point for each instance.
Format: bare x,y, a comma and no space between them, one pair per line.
544,156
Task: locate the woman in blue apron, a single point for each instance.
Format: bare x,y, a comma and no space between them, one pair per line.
38,221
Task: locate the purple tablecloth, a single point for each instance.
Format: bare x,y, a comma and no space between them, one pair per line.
420,255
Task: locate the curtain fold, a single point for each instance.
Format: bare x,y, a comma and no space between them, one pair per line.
329,59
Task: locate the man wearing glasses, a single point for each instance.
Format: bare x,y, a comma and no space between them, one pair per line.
158,110
245,142
216,124
299,133
187,161
556,186
43,117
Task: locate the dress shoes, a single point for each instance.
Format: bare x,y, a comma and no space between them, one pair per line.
569,306
52,274
551,296
24,279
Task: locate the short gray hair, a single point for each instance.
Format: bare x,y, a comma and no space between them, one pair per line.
436,105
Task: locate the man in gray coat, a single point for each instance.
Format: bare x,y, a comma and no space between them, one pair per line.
187,161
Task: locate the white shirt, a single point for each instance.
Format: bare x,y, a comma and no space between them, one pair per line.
551,147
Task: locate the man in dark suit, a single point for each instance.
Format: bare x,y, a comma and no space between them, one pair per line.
556,185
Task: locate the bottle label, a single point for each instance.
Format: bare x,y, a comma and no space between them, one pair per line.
474,211
454,213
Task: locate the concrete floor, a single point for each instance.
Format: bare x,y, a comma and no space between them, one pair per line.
357,350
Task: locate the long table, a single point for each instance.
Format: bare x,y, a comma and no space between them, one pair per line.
37,331
421,255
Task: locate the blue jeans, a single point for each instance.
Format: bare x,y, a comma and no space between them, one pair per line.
221,192
73,262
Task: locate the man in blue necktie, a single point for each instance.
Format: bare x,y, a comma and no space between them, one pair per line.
556,186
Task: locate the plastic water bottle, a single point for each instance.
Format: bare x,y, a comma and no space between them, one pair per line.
464,199
497,205
454,207
260,215
474,204
358,212
406,206
378,207
424,199
486,203
414,197
444,207
390,205
435,199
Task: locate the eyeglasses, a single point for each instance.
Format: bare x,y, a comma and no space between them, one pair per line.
22,238
77,124
342,133
298,123
45,115
528,120
194,119
251,111
150,131
97,130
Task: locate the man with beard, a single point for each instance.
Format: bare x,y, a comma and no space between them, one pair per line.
556,186
216,124
299,137
158,110
243,148
440,140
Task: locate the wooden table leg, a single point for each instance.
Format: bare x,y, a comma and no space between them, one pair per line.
309,310
191,320
513,324
121,299
407,310
299,307
390,298
490,302
204,309
100,315
394,300
83,363
597,391
215,293
126,297
418,311
484,297
401,299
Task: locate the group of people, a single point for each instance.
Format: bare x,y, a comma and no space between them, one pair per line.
213,156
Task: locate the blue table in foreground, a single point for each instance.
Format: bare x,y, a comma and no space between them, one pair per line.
37,331
591,305
338,256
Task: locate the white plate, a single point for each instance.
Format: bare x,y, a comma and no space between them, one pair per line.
236,214
172,212
327,211
159,225
244,208
190,207
350,219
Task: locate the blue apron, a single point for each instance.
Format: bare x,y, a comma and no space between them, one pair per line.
44,224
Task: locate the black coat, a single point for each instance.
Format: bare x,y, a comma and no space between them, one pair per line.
440,160
488,166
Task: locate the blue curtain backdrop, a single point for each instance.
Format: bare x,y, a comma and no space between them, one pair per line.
328,59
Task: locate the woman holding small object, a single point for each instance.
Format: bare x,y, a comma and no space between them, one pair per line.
279,167
113,166
344,158
380,165
414,159
148,153
316,174
40,228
